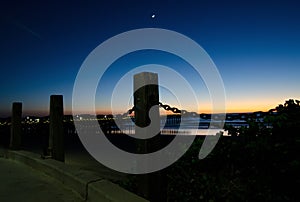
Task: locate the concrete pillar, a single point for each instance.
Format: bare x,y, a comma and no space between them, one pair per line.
16,126
152,185
56,136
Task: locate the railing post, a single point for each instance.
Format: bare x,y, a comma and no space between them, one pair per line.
56,137
146,95
16,126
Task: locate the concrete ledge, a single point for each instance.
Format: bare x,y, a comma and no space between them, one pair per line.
87,184
102,189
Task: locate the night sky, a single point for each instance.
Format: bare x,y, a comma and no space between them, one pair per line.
254,44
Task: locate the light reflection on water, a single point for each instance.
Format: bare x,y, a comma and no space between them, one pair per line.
170,131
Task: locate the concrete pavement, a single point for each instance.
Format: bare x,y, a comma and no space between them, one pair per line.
87,184
19,182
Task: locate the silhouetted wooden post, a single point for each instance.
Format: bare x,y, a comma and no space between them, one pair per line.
16,127
56,137
145,97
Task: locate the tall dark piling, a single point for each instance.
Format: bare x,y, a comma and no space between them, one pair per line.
146,95
56,136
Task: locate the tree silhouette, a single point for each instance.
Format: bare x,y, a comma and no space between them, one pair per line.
285,119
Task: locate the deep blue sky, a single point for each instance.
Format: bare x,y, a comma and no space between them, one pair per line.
254,44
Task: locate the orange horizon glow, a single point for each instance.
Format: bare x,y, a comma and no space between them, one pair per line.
246,106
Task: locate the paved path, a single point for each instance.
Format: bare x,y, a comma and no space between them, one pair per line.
84,161
77,156
19,182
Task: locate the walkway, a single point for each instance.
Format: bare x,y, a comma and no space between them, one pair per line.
21,183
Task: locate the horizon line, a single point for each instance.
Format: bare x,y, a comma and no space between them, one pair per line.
105,114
